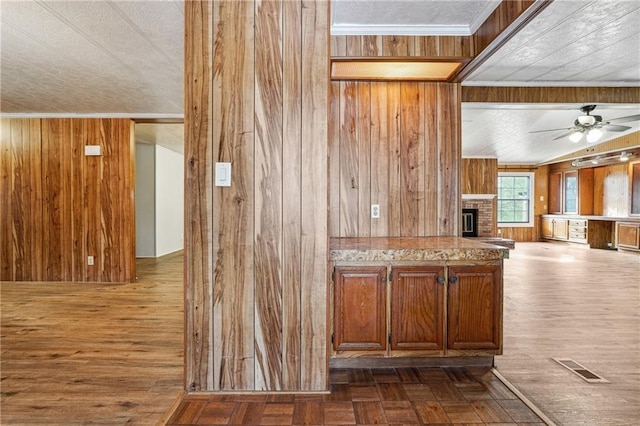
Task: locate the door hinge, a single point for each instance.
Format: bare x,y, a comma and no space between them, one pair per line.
389,338
332,338
333,275
390,275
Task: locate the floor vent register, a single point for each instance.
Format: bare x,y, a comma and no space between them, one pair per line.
580,370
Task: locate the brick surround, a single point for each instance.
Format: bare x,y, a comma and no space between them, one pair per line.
485,204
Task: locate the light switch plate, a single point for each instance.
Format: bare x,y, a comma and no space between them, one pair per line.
92,150
223,174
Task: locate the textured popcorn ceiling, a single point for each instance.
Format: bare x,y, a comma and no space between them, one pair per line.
125,58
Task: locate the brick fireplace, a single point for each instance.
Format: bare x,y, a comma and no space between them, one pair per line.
485,205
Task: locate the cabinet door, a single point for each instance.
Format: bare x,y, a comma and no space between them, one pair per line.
417,305
546,227
474,307
359,318
561,229
628,235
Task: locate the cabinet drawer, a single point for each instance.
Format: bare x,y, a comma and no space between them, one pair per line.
578,223
577,234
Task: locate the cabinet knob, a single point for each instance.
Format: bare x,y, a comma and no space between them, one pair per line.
453,279
441,280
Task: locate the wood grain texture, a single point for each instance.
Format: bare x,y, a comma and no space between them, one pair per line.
314,191
198,199
393,45
291,195
399,147
265,68
93,353
60,206
479,175
234,207
551,94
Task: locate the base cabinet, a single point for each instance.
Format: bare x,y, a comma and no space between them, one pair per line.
428,309
474,307
417,302
552,228
628,236
360,309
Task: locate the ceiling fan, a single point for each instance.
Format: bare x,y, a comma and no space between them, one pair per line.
591,125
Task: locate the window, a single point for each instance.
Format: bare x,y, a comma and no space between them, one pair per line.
571,192
515,199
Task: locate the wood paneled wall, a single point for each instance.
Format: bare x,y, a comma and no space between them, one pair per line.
541,182
58,206
479,175
256,271
396,145
607,188
611,190
402,46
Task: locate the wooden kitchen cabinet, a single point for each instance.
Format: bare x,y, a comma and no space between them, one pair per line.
417,307
474,307
359,319
554,228
628,235
432,309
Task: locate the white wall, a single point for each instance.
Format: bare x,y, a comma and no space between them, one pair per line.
145,200
159,200
169,201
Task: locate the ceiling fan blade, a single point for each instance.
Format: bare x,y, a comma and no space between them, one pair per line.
563,136
553,130
626,119
616,128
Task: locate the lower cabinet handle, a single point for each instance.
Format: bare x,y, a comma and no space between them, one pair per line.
453,279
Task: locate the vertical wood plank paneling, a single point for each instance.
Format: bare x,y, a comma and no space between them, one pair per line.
93,197
77,200
363,124
411,161
52,190
269,228
371,45
6,174
48,201
449,142
268,195
348,160
334,145
36,226
292,169
479,175
431,160
233,212
19,199
314,253
379,160
198,197
395,164
108,197
615,190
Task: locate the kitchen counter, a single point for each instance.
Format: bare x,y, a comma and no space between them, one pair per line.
413,249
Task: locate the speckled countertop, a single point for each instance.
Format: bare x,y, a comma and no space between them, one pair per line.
412,249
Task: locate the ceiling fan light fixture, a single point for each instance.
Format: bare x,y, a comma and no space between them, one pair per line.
587,120
576,136
594,135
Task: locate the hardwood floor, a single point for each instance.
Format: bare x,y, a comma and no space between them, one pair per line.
112,354
411,395
77,353
566,300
